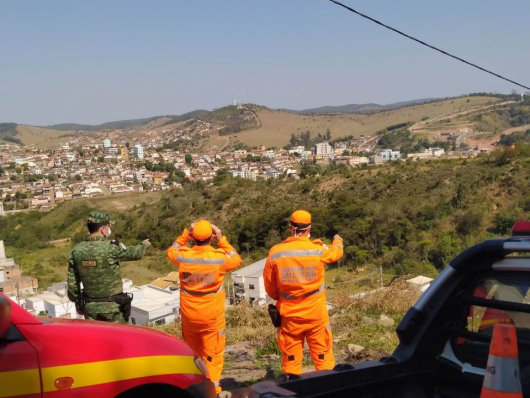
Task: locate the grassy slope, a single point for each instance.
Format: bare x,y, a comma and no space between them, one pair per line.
278,126
42,138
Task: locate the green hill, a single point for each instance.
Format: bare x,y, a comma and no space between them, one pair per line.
409,218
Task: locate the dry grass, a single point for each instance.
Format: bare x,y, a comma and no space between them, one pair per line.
278,126
42,138
252,326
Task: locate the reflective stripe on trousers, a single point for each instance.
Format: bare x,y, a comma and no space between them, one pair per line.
290,297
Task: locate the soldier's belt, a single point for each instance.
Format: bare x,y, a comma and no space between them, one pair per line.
116,298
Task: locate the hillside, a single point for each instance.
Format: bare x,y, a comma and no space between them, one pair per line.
408,218
132,123
42,138
277,126
358,108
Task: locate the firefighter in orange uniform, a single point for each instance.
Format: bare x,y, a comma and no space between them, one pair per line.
294,276
202,298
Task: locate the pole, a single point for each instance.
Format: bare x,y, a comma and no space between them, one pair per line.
380,276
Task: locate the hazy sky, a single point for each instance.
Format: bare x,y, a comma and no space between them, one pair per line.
94,61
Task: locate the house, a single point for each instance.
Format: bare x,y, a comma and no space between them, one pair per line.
248,283
152,304
170,282
419,283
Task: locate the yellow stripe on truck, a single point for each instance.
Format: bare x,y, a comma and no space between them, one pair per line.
23,382
19,382
92,373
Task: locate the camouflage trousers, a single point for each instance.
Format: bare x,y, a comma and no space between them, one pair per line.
107,312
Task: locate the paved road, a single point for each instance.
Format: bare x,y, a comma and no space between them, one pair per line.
104,189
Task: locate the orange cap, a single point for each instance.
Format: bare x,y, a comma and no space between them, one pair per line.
202,230
301,217
504,341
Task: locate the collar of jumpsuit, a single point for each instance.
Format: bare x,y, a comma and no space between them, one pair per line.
206,248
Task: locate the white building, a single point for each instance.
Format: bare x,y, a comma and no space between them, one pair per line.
297,149
54,302
236,173
106,143
249,285
153,304
437,151
389,154
323,148
139,151
356,160
273,173
420,283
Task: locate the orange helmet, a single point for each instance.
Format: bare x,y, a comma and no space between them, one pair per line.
301,217
202,230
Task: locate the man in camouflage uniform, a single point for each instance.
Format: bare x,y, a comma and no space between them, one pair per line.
95,263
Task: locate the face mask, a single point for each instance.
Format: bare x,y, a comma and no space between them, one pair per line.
108,234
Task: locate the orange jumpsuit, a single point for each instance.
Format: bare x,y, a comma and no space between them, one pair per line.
202,297
294,275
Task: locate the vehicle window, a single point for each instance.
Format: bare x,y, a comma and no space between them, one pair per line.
482,318
494,300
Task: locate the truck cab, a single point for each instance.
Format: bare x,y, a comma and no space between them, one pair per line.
445,337
56,357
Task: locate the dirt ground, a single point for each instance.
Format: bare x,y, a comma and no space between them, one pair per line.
242,369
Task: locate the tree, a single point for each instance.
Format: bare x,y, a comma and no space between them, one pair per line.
328,135
188,158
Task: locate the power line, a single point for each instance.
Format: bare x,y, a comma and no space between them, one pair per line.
428,45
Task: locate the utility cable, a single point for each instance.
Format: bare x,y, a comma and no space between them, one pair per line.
428,45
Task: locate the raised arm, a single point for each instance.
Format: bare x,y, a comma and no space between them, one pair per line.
131,253
334,251
234,260
172,251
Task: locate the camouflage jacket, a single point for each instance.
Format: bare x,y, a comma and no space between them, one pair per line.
95,262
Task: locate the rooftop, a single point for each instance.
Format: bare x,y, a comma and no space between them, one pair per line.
252,270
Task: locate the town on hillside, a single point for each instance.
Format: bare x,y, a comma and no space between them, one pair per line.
113,163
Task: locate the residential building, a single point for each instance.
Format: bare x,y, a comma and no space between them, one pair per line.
323,148
388,154
139,151
152,304
106,143
248,284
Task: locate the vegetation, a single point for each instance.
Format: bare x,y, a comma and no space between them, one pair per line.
8,132
407,218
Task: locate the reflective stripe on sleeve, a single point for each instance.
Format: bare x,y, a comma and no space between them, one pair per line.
291,297
222,332
297,253
231,253
201,261
176,245
339,245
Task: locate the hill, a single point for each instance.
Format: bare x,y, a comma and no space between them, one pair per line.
407,218
277,126
42,138
358,108
133,123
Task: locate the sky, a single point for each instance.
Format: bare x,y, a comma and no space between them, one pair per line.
94,61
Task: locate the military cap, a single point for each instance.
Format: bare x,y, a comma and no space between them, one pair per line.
99,217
